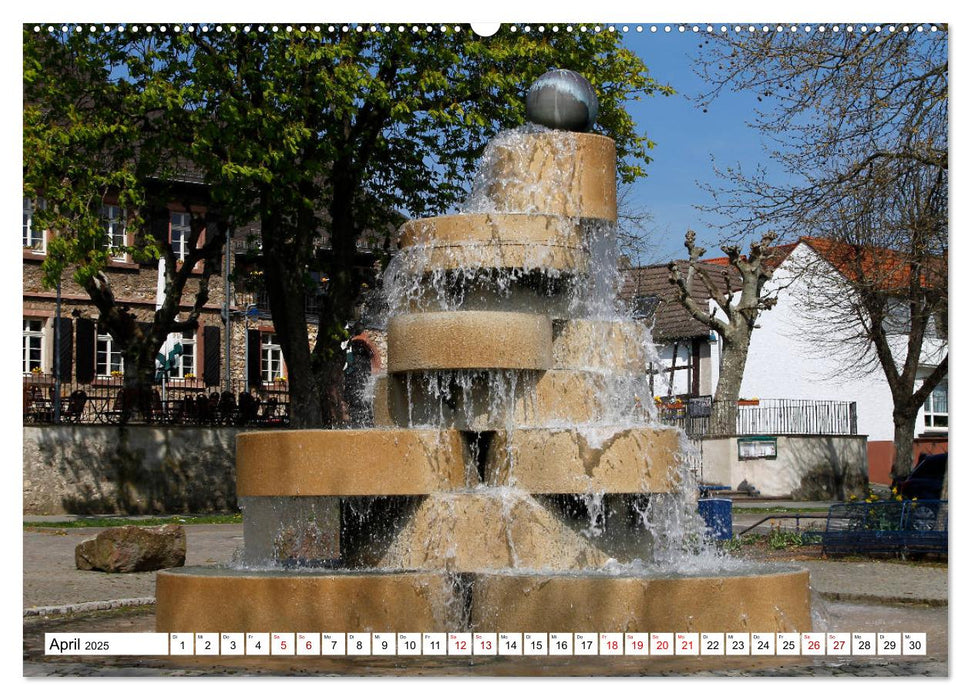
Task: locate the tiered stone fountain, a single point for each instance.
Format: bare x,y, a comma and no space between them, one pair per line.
513,481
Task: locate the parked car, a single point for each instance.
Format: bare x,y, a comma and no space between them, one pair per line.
926,480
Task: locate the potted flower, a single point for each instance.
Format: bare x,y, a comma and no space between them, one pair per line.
669,403
36,376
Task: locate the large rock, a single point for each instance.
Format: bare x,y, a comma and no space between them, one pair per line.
131,548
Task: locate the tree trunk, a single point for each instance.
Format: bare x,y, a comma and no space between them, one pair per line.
941,521
329,355
304,391
724,410
138,396
343,292
287,305
284,269
330,378
736,330
904,425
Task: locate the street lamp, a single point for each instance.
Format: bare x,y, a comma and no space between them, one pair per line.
251,311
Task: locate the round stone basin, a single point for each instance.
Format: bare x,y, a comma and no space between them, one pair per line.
495,241
227,600
592,602
201,599
564,460
557,173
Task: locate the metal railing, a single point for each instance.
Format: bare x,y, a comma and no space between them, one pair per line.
700,416
184,402
259,298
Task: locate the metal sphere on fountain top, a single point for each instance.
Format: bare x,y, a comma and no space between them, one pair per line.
562,99
572,515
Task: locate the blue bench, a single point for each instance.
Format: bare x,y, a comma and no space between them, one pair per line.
886,527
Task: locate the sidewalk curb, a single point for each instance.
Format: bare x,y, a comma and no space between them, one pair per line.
93,606
882,600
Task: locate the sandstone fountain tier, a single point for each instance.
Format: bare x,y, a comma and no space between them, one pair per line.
514,459
496,242
210,600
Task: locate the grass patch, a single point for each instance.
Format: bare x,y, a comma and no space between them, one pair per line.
778,539
122,520
783,539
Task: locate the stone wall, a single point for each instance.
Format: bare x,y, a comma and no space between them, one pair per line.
807,467
87,469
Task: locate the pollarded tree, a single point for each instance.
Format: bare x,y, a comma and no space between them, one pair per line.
737,293
859,119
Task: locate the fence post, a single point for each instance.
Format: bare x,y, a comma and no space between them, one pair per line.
852,417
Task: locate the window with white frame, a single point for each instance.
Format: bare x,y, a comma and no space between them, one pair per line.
935,408
107,356
113,218
271,357
181,230
187,363
33,237
33,345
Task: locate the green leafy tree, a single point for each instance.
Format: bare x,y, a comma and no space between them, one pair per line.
325,138
98,131
340,132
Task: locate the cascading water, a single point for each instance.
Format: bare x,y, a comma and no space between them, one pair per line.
612,356
516,477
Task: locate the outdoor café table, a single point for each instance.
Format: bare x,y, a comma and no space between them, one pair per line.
40,410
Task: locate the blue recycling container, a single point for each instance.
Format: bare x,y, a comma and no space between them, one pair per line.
717,514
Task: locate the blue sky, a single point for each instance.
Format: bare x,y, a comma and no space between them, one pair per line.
687,140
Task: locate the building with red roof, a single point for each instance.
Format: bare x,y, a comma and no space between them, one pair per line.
797,355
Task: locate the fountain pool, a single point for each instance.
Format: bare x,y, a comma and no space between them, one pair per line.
515,480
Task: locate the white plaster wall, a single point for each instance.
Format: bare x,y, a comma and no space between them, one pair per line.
803,461
706,369
787,361
716,462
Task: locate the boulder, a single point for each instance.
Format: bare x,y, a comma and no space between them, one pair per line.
131,548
